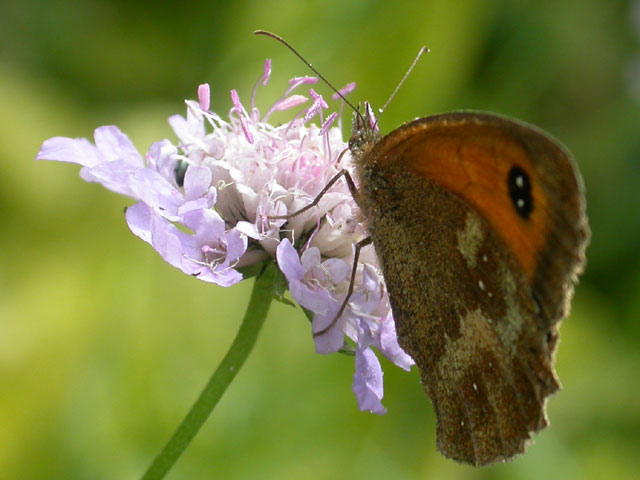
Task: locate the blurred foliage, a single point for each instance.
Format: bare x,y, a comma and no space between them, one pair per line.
103,347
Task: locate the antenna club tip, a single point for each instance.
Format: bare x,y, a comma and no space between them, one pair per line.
265,32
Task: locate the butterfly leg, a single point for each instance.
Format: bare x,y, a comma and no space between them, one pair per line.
354,270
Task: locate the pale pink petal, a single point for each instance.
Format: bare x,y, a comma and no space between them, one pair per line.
115,145
74,150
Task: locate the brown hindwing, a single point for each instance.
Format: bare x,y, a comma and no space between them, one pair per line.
480,326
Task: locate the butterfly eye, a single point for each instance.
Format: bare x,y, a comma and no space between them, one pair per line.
179,171
356,141
520,191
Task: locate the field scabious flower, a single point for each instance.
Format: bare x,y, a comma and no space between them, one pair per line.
206,205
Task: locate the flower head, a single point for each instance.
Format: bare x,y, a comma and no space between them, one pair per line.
206,205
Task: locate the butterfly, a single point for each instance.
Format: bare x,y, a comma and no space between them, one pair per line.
479,225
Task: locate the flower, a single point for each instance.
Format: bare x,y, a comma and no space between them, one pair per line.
206,205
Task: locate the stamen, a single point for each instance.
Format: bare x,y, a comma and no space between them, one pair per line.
330,119
295,82
344,91
373,121
204,96
267,72
317,97
237,106
285,104
347,89
324,133
264,79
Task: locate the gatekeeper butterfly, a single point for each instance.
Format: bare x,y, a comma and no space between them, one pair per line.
479,225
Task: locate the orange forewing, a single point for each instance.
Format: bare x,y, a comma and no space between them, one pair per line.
473,161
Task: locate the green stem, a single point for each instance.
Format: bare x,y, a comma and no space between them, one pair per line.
261,296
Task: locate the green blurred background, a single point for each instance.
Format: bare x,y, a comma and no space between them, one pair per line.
104,347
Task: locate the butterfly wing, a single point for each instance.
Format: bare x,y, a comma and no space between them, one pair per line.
478,280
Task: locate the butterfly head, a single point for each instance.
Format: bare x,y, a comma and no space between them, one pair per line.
364,132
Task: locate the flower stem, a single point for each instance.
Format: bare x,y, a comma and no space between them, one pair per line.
261,296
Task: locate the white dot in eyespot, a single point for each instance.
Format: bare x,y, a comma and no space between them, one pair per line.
519,181
475,387
520,203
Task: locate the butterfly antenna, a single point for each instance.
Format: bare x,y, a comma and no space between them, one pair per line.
295,52
406,75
